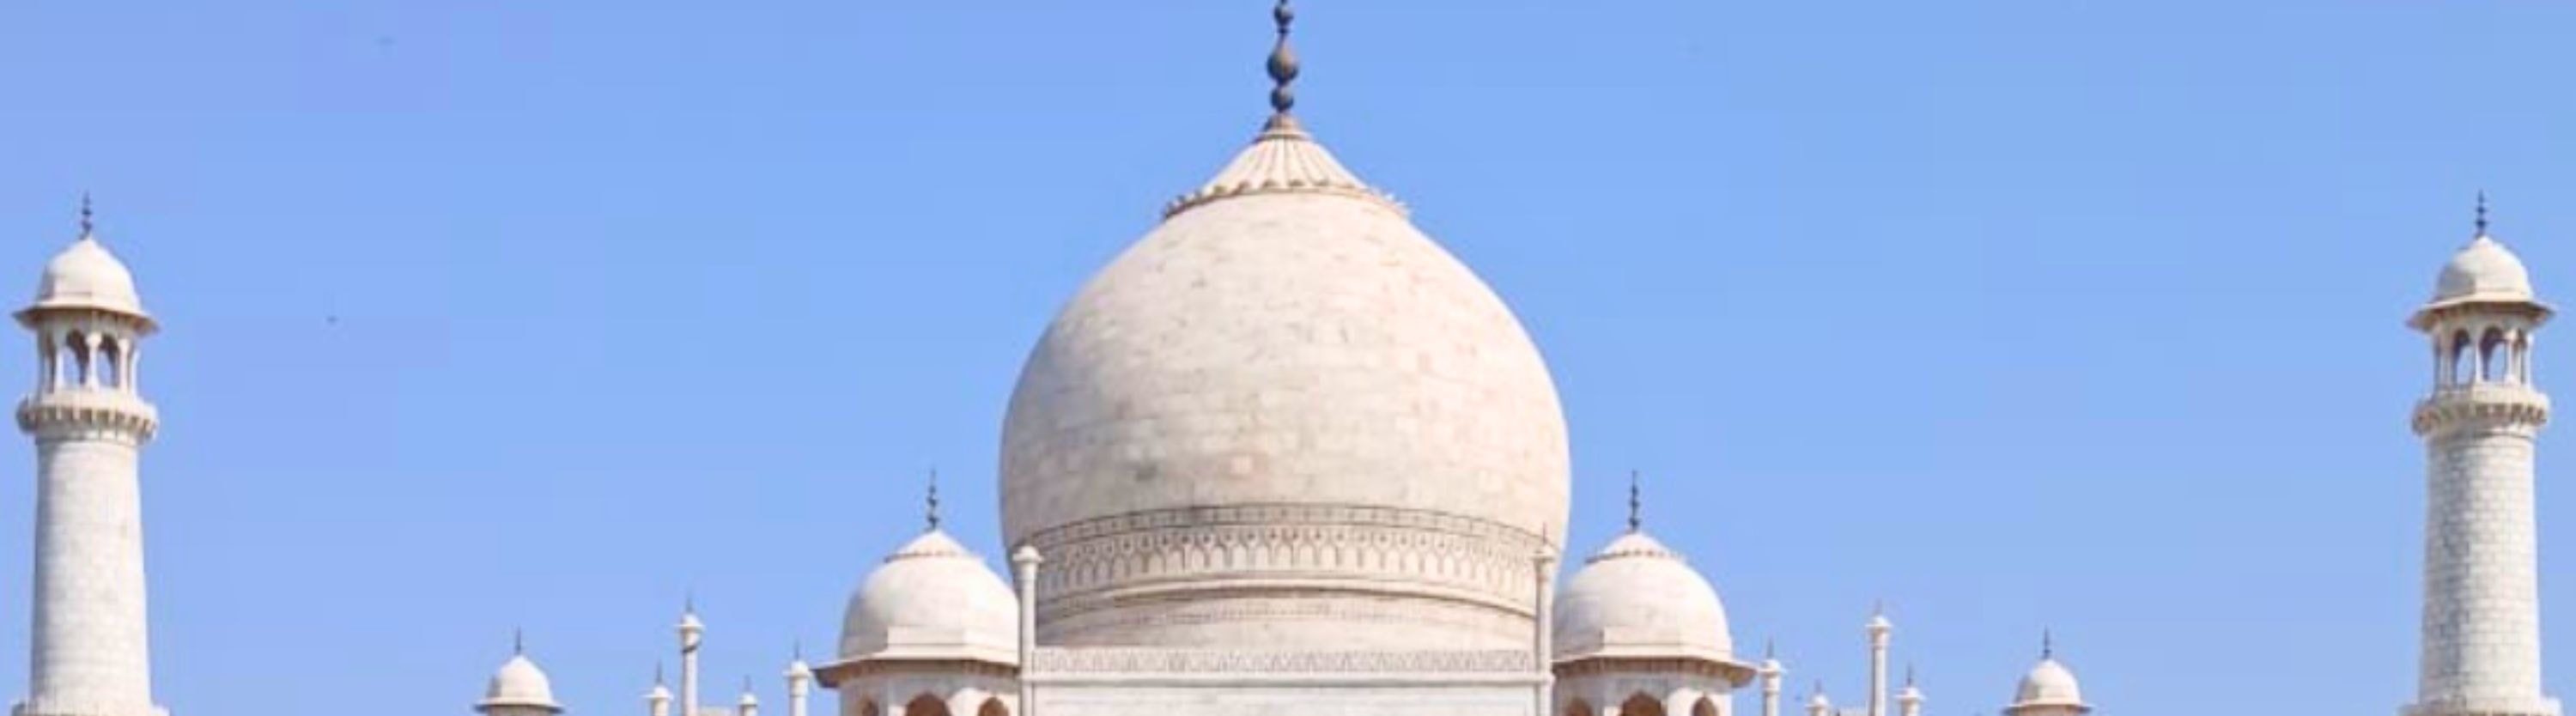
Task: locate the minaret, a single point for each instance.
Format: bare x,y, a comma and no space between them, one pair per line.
1771,674
1878,628
692,634
657,701
90,656
2481,628
800,683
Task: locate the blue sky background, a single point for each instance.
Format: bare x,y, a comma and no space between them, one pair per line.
2079,315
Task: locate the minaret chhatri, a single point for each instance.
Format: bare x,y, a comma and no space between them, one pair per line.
90,655
2481,628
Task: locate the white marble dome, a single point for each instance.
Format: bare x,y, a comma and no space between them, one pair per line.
2049,685
1639,599
86,275
519,684
1285,358
933,599
2484,270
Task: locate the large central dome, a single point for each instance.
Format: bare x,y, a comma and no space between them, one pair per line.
1285,418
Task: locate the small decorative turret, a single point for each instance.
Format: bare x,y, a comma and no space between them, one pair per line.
800,682
519,688
1772,673
1879,628
1909,701
657,701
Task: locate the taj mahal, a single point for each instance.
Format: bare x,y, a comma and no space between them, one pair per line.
1287,455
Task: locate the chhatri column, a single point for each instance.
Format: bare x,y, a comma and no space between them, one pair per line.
2481,619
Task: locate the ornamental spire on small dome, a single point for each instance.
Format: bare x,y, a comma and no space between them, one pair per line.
930,507
2047,644
88,219
518,641
1636,504
1283,70
2482,213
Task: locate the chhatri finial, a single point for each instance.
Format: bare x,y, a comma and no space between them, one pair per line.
657,672
2482,215
930,502
2047,644
518,642
1770,648
88,219
1909,674
1283,65
1636,504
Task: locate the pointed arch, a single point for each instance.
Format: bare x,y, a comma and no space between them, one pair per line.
1705,706
1641,704
925,704
1579,707
993,707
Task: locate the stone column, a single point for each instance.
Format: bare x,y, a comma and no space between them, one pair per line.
1024,571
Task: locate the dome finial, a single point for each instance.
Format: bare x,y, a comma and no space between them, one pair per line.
2482,215
930,510
1283,67
1636,504
88,219
657,672
518,641
2047,644
1770,648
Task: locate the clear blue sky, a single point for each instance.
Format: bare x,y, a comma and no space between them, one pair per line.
2015,314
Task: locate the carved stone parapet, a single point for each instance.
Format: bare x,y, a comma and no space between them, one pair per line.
88,415
2482,406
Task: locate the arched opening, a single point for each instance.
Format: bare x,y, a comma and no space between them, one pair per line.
76,370
2492,356
993,707
111,364
867,707
925,705
1579,707
1641,705
1704,707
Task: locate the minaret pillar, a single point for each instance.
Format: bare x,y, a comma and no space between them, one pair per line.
2480,636
90,653
1543,626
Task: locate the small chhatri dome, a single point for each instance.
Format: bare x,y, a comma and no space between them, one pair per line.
933,599
86,276
1638,599
519,684
2048,687
2484,271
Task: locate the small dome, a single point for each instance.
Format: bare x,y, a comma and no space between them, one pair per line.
1638,599
2049,685
85,275
933,599
2484,270
519,684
